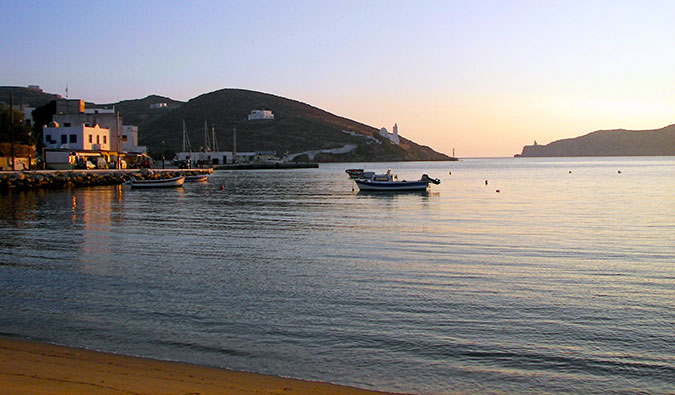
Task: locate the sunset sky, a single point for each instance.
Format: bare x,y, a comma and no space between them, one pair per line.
483,77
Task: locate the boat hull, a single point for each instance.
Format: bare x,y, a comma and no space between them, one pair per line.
162,183
402,186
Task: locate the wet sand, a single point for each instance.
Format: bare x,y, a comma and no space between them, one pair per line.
36,368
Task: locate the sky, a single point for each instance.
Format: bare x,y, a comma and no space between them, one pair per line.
482,77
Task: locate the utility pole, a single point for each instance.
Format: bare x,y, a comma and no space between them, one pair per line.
117,138
11,124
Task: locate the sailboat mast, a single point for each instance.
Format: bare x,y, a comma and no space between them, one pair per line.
213,138
206,138
184,137
234,144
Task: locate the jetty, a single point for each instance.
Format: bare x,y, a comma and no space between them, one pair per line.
55,179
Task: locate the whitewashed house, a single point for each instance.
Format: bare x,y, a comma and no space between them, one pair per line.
79,137
260,114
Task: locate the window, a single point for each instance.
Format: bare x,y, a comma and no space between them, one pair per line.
66,124
105,139
64,139
48,138
98,139
91,139
73,138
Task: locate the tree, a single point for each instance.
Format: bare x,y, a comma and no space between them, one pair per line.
22,132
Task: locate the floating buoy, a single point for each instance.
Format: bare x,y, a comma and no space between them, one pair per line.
222,187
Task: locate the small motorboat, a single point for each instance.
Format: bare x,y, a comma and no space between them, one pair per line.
389,182
197,178
354,173
161,183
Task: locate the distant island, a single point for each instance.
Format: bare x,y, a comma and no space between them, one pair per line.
619,142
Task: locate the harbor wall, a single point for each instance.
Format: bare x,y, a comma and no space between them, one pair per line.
82,178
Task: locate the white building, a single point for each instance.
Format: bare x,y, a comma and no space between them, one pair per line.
157,106
393,137
260,114
72,113
130,139
79,137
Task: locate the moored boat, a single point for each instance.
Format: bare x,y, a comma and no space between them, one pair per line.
161,183
389,182
197,178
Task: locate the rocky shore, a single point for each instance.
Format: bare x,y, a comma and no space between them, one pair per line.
81,178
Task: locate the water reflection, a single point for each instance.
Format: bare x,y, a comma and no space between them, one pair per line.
287,270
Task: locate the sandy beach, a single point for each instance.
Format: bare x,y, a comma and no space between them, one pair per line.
28,367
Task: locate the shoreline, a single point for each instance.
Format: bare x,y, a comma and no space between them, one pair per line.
56,179
28,366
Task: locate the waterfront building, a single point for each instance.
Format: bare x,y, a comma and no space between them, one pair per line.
224,157
130,139
260,114
78,137
85,132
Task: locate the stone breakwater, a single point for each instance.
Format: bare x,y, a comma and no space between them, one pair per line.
84,178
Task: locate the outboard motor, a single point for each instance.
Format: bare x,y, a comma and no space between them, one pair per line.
429,179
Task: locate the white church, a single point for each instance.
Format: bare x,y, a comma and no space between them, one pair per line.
393,137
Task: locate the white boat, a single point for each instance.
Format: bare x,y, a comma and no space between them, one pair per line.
161,183
197,178
389,182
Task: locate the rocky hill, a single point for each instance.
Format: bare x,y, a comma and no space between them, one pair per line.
620,142
26,96
140,111
297,127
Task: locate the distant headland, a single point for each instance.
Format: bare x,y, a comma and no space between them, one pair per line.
619,142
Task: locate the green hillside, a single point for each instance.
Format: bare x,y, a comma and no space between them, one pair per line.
297,127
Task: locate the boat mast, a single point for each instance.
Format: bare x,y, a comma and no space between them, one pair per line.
206,138
234,144
213,139
186,140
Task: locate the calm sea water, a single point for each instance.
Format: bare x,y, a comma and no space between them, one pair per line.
564,281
